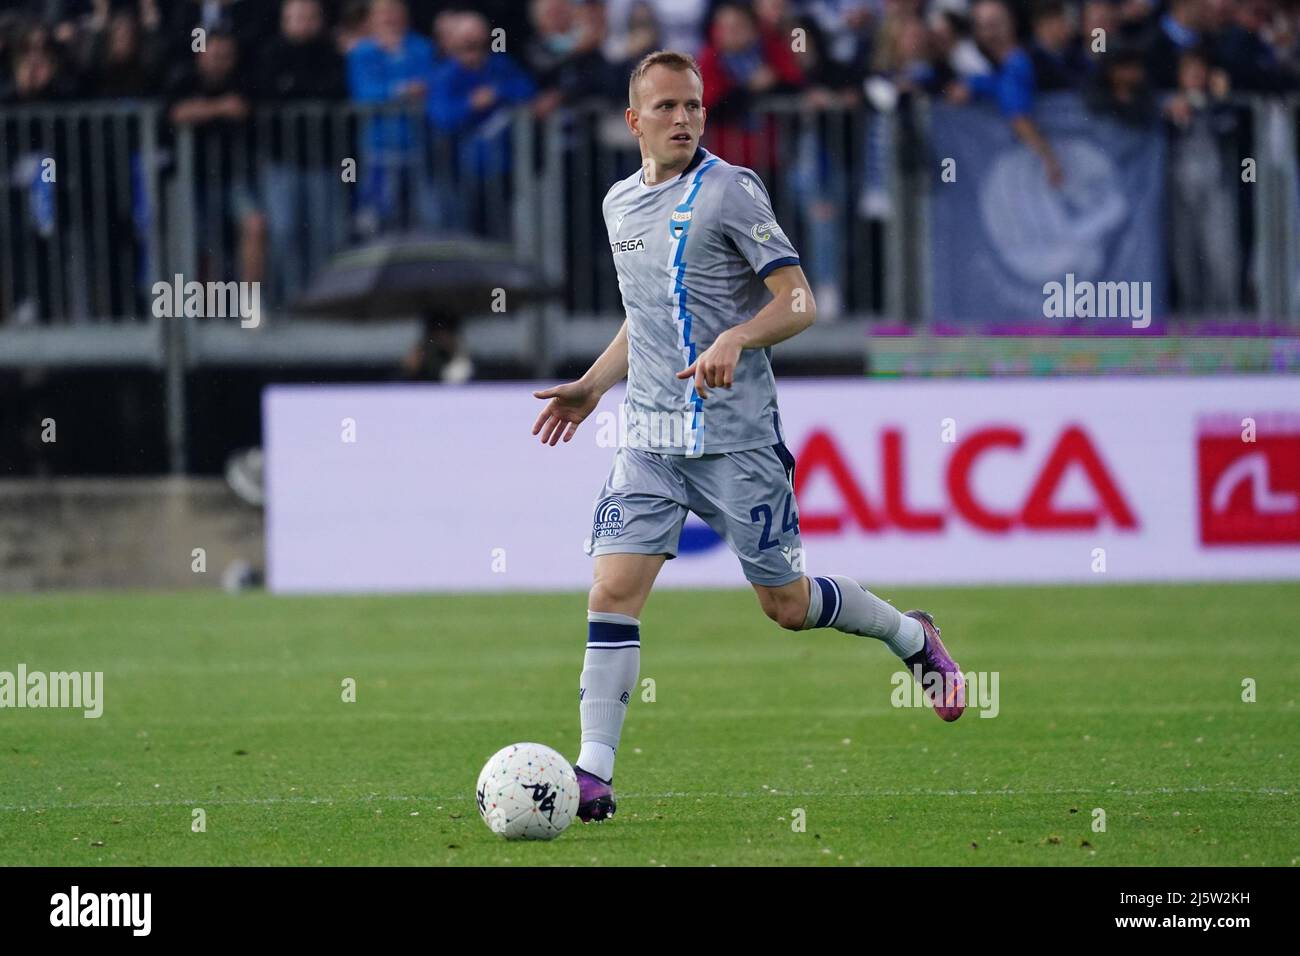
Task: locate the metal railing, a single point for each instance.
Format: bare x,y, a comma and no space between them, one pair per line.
98,201
80,234
134,199
1276,208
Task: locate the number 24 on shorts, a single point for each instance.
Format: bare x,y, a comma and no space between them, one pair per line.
763,513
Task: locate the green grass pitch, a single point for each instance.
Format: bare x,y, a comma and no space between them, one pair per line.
1123,698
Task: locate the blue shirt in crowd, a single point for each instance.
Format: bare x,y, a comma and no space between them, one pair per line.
449,93
378,75
1011,85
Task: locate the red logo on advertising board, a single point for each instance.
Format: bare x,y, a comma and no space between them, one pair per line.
1039,512
1250,490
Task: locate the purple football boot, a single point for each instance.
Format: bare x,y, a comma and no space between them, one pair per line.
595,797
949,699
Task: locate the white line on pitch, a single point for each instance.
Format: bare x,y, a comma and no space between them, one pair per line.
670,795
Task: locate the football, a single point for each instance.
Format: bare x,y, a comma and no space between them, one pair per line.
527,792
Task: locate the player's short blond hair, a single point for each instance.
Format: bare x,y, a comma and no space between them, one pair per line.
668,58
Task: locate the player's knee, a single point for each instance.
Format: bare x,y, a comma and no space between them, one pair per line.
611,594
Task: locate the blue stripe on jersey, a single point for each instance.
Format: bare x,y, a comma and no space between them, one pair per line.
830,602
678,229
605,634
776,264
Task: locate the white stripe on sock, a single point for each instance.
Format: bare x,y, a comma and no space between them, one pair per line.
609,617
839,602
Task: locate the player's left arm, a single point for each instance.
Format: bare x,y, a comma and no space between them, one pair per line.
791,310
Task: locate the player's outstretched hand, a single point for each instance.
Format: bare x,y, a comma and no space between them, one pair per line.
715,367
568,406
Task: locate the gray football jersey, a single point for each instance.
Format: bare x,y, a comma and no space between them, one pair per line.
691,255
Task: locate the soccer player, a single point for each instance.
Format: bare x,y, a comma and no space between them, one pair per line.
709,282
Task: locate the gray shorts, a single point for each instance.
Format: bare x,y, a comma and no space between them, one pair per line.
747,497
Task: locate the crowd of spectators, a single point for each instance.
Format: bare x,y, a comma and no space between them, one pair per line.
463,59
465,64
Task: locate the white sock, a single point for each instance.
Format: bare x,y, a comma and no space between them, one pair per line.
840,602
609,674
597,758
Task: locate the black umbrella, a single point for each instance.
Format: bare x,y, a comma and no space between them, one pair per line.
409,275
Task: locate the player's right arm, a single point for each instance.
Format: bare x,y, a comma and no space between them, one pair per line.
569,404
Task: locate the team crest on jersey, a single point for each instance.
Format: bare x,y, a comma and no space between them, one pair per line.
608,522
680,221
765,231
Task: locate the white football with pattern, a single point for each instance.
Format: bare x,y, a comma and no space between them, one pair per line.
527,792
